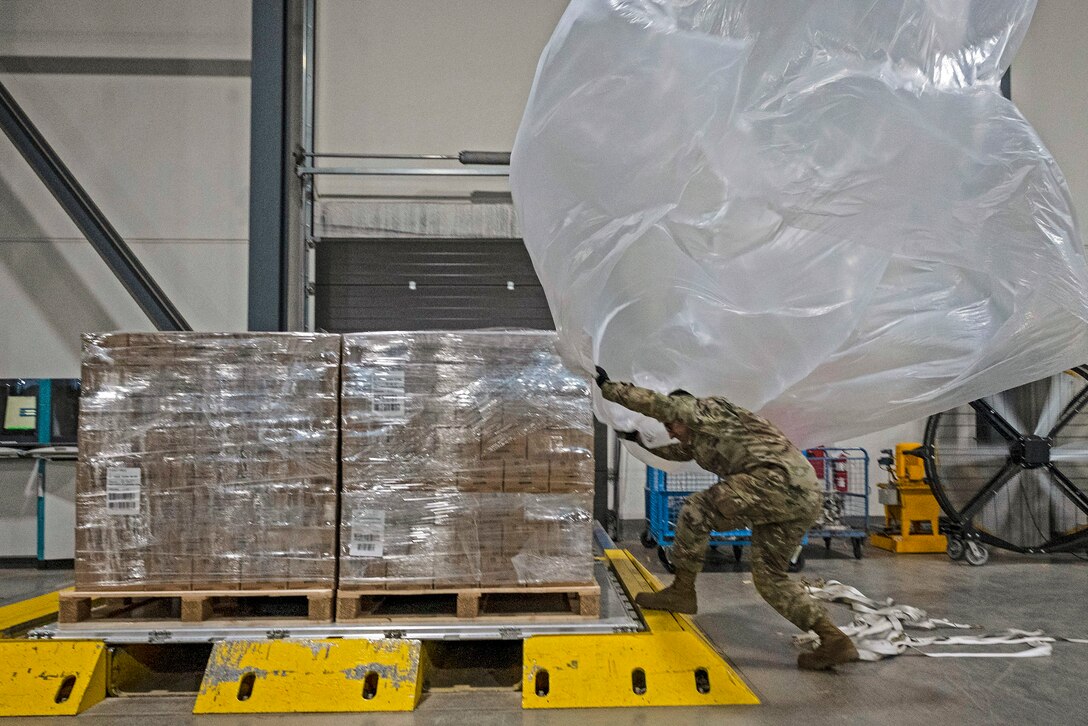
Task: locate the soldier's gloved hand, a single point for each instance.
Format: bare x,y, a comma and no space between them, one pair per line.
628,435
602,376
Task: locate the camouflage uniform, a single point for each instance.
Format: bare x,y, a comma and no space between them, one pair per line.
765,483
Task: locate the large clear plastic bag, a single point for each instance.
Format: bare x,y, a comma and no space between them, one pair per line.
823,210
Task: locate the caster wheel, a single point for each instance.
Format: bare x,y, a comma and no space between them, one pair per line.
798,562
977,554
857,548
647,539
663,555
737,552
956,548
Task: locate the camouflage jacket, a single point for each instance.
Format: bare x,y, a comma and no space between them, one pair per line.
725,439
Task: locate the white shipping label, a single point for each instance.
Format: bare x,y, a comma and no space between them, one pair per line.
122,491
367,536
387,391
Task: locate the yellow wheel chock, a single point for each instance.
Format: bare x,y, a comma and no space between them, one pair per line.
311,676
51,677
672,664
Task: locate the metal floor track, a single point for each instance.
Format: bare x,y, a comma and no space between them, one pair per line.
617,615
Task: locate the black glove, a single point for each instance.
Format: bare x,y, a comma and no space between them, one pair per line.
628,435
602,376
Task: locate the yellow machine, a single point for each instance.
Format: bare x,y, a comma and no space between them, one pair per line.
911,512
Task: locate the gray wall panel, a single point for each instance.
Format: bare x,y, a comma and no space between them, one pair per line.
365,285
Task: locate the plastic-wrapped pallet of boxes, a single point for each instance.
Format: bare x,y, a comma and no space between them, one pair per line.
207,462
467,460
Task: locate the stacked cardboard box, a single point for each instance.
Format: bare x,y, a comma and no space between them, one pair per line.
207,461
467,460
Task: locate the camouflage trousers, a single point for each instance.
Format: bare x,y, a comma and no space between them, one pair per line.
729,505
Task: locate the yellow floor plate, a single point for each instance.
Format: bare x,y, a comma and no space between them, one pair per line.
51,678
311,676
672,664
28,611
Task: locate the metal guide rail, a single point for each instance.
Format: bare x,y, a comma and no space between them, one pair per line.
622,658
617,615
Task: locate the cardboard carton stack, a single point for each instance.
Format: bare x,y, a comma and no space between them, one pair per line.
466,461
207,462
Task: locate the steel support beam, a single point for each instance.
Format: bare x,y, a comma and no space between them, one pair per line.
275,250
87,216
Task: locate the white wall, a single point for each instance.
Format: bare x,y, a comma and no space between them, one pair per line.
60,510
1050,86
425,77
165,158
18,508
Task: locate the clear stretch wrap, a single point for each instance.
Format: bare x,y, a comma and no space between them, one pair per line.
467,459
823,210
208,461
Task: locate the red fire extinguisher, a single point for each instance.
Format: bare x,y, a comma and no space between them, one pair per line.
817,457
839,476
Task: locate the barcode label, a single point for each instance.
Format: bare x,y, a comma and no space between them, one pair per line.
367,537
122,491
387,391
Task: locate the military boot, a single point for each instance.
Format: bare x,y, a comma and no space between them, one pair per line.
679,597
835,648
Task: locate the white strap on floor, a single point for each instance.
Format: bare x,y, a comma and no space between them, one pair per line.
879,630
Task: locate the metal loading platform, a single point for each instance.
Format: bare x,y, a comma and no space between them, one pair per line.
620,659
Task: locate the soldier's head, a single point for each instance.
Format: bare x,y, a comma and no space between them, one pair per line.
678,429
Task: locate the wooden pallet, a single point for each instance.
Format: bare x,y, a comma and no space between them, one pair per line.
189,606
546,600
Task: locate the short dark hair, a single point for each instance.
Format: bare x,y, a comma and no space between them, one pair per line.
682,393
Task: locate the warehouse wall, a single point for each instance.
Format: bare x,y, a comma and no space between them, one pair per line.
1050,85
165,157
425,77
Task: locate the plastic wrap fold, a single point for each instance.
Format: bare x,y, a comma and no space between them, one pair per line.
208,461
823,210
467,460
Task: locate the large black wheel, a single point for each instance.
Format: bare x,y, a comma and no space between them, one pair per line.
647,539
663,555
1013,465
857,548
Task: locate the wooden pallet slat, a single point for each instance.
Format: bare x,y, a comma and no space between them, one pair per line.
193,606
474,602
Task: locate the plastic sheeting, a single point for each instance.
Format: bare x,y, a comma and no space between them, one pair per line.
466,460
207,461
822,210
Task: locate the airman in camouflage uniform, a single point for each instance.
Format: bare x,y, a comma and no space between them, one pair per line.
765,483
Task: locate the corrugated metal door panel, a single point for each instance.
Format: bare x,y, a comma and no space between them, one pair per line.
427,284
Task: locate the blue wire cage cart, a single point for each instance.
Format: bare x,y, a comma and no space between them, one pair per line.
665,494
846,504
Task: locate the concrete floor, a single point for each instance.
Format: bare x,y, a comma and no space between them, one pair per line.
20,583
1010,591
